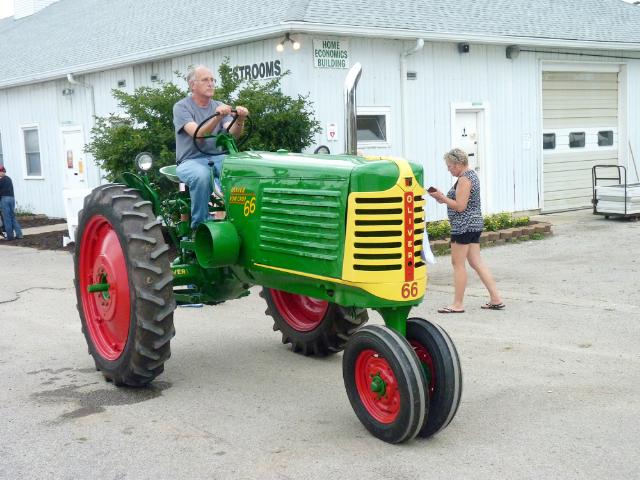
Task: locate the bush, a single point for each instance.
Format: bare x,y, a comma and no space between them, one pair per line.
438,230
492,223
500,221
280,121
521,222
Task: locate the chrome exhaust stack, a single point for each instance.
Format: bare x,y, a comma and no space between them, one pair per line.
350,119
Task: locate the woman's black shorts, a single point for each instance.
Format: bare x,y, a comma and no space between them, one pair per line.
466,238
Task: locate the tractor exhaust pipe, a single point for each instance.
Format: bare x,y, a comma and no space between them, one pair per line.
350,119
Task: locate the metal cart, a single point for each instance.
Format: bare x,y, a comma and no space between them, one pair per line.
620,199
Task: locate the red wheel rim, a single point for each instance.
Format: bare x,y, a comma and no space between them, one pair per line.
427,364
371,368
300,312
107,314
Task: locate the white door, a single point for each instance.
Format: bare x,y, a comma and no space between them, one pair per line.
466,136
73,158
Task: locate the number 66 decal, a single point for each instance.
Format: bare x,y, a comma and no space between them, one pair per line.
249,206
410,290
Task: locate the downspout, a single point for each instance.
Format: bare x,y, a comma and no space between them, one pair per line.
403,80
71,79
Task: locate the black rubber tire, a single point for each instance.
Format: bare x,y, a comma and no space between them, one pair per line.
445,394
150,284
329,337
413,399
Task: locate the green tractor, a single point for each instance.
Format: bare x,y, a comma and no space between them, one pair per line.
326,237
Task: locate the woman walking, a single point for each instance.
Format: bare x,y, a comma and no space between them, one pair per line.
465,216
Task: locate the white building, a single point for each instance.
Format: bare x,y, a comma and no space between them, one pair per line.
538,92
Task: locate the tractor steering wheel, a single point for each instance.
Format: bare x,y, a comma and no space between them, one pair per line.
225,131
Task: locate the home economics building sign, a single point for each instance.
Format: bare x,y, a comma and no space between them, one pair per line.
331,53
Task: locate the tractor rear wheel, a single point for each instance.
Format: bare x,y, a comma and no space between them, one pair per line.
312,326
443,375
123,285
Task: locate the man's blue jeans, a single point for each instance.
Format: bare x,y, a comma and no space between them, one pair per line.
196,173
11,225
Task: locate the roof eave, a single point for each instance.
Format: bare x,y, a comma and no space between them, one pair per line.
262,33
460,36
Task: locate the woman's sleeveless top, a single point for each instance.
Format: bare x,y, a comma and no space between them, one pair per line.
470,220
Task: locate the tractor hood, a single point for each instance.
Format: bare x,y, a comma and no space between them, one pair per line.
364,174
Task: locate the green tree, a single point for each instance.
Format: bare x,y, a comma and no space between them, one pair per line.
279,121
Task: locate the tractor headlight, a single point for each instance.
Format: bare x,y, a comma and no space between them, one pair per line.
144,161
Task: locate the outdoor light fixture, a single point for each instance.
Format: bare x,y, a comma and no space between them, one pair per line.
294,43
67,91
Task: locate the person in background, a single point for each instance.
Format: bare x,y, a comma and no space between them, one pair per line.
8,206
465,217
194,166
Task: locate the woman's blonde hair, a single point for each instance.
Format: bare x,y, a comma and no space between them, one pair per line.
456,156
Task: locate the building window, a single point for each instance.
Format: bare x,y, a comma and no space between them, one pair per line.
548,141
32,151
605,138
576,139
373,125
372,128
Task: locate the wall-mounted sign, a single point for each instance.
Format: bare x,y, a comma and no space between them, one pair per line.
331,53
332,132
256,71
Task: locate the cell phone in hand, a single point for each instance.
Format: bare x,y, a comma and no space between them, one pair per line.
432,189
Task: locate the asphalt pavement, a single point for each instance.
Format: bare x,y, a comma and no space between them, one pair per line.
551,383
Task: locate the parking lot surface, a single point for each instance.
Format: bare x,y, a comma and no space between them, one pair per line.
551,383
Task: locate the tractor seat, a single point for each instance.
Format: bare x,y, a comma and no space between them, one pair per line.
169,171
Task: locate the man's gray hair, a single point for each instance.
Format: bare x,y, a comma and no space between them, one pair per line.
191,73
456,156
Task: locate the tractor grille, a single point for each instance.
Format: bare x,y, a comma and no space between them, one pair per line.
419,223
386,236
300,222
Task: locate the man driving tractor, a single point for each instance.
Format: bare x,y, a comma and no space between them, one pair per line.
194,166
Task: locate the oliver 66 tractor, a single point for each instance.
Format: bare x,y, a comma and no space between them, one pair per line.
326,236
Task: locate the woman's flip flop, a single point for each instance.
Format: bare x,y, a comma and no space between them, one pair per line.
449,310
493,306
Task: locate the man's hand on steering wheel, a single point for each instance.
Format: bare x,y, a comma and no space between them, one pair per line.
242,112
223,110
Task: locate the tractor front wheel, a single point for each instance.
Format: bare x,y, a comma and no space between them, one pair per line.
440,362
385,383
123,285
312,326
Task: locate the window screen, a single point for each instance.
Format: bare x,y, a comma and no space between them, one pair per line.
576,139
372,128
32,152
605,138
548,141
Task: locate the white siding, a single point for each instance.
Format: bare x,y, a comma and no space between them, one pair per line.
482,76
631,104
509,90
27,106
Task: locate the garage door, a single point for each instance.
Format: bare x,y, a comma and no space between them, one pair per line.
580,130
